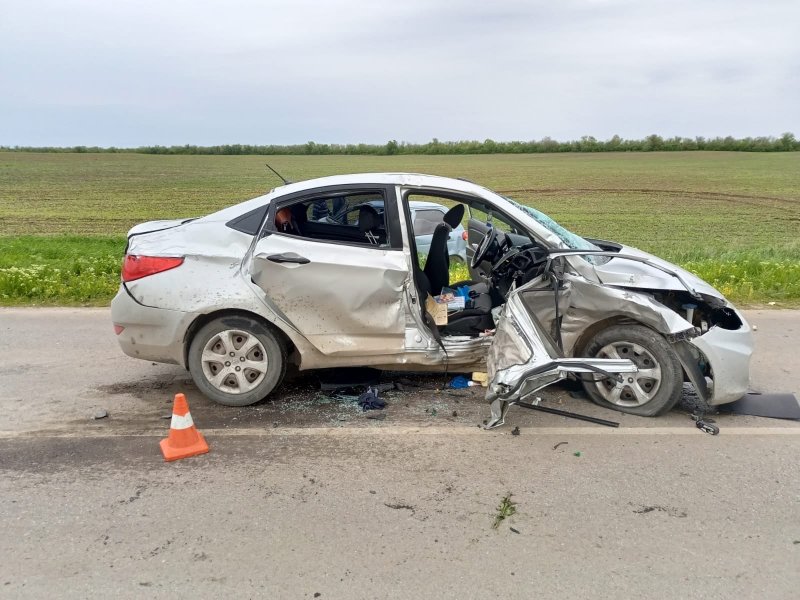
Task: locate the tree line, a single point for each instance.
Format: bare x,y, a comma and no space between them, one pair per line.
652,143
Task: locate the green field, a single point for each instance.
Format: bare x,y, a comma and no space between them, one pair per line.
733,218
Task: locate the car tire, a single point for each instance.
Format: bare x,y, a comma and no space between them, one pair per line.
657,386
236,360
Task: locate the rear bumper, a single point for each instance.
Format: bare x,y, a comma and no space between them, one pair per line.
150,333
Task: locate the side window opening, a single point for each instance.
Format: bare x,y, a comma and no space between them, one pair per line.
357,218
425,221
483,215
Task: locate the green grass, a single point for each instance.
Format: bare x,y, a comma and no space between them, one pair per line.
733,218
59,270
507,508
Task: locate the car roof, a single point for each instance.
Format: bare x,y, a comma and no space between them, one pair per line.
404,179
413,179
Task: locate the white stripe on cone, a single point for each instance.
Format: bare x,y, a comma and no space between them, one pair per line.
181,421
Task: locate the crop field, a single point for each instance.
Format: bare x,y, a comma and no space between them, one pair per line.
732,218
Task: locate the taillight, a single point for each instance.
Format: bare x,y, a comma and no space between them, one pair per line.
464,235
135,267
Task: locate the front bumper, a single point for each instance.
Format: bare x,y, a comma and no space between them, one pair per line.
728,354
149,333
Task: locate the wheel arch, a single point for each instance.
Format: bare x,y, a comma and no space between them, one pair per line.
206,318
661,349
598,326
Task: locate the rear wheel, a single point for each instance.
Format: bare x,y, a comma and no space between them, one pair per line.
236,360
654,389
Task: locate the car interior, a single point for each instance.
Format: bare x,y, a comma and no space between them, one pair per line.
353,218
476,316
500,257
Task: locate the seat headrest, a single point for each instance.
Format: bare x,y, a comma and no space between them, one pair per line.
368,219
453,216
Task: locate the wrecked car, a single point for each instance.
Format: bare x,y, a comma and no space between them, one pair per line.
238,295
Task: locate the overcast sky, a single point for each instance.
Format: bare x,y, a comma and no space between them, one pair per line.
129,73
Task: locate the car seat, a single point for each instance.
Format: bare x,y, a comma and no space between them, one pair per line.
370,224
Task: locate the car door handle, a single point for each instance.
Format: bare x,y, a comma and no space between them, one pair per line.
288,257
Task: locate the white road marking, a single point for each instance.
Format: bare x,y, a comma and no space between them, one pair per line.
388,431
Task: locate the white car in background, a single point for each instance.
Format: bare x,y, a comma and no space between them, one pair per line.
237,295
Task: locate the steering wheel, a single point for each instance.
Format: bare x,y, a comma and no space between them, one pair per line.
483,248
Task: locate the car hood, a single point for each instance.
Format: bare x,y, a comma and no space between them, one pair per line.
638,275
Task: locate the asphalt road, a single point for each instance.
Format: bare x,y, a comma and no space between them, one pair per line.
303,497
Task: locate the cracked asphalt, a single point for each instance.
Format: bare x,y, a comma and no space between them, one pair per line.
307,497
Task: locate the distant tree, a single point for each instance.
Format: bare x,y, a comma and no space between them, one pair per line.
787,142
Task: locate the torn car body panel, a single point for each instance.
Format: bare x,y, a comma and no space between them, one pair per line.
524,359
715,360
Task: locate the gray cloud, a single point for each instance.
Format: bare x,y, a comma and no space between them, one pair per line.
129,73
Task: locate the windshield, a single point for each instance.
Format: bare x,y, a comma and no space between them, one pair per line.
572,240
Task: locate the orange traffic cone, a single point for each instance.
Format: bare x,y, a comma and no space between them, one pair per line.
184,440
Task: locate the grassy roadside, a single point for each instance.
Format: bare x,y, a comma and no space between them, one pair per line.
84,270
59,270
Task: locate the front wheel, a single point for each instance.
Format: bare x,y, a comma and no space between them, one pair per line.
655,389
236,360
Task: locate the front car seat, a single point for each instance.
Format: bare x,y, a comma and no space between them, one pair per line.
437,266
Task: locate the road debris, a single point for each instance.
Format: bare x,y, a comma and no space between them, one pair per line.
459,382
481,378
100,414
705,424
369,400
515,431
559,444
577,453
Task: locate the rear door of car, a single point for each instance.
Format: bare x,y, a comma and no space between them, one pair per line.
344,294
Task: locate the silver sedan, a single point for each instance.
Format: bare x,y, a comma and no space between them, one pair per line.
239,294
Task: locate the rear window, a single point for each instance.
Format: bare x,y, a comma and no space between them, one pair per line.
425,221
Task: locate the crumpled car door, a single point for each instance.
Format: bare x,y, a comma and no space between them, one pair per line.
345,300
523,359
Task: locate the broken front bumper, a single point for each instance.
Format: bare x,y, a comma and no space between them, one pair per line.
727,353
